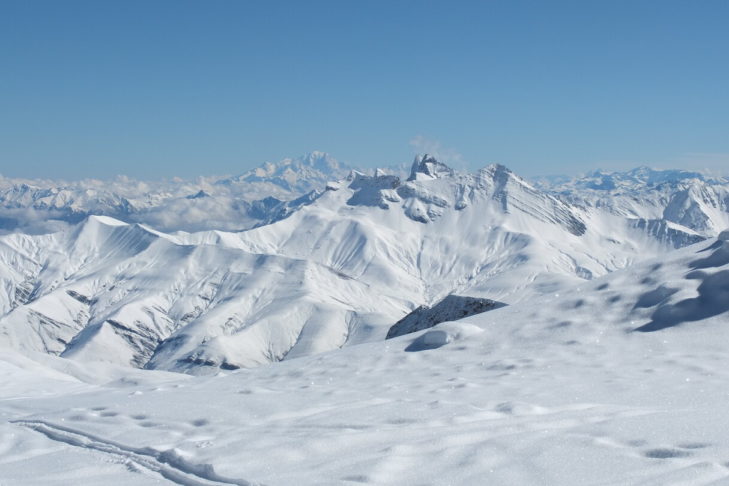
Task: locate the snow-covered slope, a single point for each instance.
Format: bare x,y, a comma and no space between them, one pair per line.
130,295
490,233
563,389
334,269
658,200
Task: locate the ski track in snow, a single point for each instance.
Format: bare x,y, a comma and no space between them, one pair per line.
167,463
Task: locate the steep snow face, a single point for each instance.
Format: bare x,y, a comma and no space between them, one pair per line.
688,201
564,389
230,203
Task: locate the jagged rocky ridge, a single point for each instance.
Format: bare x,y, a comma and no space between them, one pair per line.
452,308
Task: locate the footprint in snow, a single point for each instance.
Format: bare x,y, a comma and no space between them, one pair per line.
693,445
665,453
356,479
637,443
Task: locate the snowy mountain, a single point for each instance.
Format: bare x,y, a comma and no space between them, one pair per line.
617,380
289,177
607,360
660,201
330,269
230,203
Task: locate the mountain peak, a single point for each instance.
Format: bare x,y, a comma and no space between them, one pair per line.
501,174
319,161
428,167
295,176
95,219
497,169
198,195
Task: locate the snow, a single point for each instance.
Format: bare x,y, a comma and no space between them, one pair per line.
329,269
606,366
687,200
206,203
559,390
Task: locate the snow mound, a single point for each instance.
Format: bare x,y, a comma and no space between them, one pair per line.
713,292
444,334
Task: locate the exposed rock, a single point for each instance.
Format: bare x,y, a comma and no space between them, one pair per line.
452,308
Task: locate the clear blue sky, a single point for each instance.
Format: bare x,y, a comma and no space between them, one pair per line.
180,88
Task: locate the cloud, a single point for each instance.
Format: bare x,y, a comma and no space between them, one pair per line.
32,221
425,145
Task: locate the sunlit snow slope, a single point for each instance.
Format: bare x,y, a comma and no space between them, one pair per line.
618,380
659,201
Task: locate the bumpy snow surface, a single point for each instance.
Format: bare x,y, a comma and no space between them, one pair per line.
611,381
607,365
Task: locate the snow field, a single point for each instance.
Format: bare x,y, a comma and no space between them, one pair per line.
561,390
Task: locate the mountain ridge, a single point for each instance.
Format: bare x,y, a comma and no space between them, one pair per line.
337,266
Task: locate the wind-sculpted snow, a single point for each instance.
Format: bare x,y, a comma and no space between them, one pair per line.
713,292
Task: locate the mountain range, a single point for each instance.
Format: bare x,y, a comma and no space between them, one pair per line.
207,203
322,256
616,380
